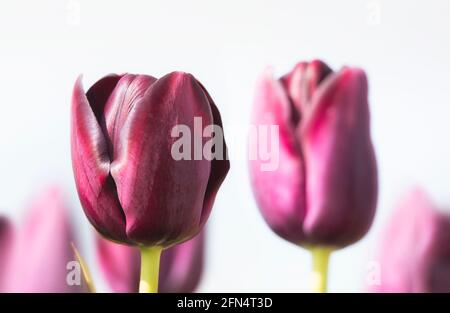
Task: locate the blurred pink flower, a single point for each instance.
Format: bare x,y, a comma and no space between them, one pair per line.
180,271
415,249
34,257
324,190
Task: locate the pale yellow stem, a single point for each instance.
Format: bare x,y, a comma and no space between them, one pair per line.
150,257
320,258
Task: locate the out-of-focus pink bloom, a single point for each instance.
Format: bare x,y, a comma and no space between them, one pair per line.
130,186
180,269
34,256
414,254
324,190
120,264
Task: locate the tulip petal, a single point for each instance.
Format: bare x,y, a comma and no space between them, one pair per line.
303,81
91,162
219,166
414,253
99,93
128,92
162,198
340,161
282,203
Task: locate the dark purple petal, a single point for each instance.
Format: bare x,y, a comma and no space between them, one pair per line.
128,92
162,197
219,166
90,161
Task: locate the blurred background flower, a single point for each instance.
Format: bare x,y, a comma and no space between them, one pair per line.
324,190
414,254
34,256
181,265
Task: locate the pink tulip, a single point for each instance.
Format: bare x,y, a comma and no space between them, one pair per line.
181,265
131,188
34,257
324,190
415,252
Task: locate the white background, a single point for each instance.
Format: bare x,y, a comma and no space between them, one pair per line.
403,45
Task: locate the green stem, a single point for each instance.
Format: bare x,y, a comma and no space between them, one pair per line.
320,257
149,269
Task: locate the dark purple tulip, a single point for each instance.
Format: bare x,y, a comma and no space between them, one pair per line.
181,265
415,248
34,256
324,190
131,188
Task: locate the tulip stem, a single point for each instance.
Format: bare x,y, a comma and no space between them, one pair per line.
149,269
320,258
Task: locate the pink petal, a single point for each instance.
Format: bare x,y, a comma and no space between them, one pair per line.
42,249
279,192
120,265
414,253
340,161
182,266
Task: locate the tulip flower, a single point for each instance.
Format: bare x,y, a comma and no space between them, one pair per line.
35,256
414,254
131,187
181,265
322,195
